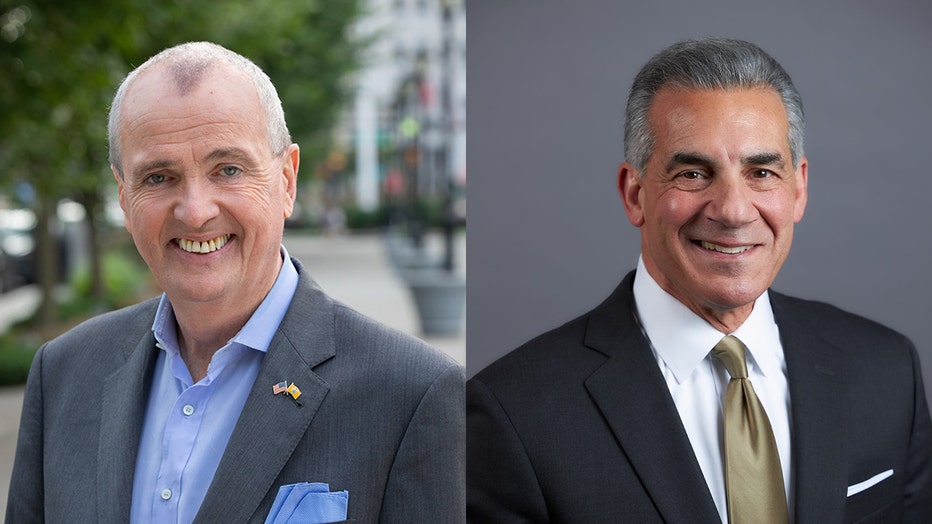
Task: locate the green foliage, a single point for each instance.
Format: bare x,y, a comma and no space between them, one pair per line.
15,357
126,280
63,60
428,211
359,219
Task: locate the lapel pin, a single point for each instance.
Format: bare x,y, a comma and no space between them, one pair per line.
294,391
282,388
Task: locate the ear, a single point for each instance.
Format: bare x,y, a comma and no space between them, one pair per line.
290,177
629,189
802,189
119,181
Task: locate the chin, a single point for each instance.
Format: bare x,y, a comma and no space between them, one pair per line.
193,292
734,295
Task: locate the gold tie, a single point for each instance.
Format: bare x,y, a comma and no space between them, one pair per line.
753,476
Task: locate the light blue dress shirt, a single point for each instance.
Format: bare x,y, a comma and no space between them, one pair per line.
187,425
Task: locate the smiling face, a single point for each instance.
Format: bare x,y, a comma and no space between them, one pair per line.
718,199
205,198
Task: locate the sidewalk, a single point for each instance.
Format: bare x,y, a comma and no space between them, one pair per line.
353,269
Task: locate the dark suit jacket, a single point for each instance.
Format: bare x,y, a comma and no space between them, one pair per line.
578,425
382,417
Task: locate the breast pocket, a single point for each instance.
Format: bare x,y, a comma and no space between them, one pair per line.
877,498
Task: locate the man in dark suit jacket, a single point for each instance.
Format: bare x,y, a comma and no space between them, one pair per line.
617,416
244,394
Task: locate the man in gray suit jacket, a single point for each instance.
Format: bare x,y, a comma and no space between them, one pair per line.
625,414
244,393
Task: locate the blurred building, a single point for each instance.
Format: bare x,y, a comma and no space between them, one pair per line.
408,122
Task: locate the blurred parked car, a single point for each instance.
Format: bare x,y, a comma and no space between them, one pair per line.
18,246
18,263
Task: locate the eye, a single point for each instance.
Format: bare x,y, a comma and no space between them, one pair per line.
691,175
156,178
762,173
230,171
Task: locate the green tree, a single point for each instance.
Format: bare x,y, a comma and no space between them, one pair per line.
62,61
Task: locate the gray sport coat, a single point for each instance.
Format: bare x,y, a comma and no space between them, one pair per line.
382,416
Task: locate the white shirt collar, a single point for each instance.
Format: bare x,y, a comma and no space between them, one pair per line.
682,339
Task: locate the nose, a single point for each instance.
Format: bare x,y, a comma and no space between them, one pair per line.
732,201
196,204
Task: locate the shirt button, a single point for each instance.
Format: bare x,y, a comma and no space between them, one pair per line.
166,494
188,410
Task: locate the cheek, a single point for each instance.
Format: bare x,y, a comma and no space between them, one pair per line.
779,210
141,211
674,209
262,202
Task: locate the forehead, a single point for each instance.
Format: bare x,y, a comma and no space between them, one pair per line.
160,114
718,118
216,83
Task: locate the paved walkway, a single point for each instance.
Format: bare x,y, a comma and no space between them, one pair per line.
353,269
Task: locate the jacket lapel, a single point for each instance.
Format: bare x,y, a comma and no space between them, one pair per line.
123,406
271,426
633,397
816,377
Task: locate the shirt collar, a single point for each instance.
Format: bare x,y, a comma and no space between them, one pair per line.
683,339
258,331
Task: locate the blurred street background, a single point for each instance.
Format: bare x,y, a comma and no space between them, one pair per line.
374,92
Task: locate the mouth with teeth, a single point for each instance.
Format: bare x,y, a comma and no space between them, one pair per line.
723,249
208,246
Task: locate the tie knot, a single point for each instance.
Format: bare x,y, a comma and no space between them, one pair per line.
731,352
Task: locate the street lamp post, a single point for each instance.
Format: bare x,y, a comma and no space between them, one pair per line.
440,292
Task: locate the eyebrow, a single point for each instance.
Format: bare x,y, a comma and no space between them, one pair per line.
231,153
152,165
228,153
765,159
681,158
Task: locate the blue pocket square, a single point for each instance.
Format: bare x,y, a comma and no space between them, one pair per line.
308,503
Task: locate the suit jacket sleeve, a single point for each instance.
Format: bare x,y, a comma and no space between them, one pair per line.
918,504
500,480
430,461
25,502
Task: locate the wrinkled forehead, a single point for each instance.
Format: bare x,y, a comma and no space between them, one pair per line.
676,108
742,122
198,83
160,113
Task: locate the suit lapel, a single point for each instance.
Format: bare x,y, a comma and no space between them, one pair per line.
633,397
816,377
271,426
123,406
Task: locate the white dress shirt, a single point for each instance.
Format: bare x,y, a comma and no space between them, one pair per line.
682,342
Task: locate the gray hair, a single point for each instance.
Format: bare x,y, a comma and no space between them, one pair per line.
710,63
187,64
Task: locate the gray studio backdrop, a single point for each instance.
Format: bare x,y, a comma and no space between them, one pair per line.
548,237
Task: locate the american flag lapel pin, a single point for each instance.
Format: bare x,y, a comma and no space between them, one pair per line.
279,388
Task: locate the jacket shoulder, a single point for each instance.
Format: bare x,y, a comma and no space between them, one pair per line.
832,322
551,356
571,352
120,329
403,356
